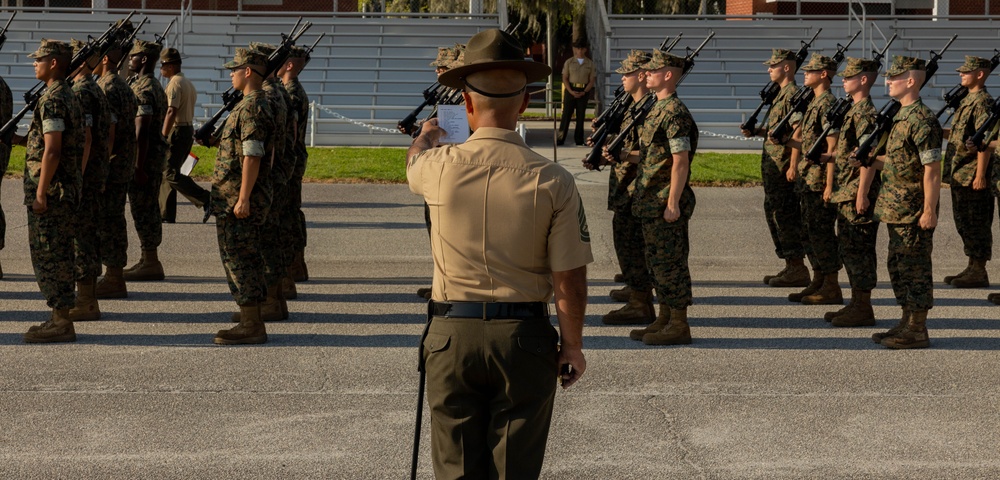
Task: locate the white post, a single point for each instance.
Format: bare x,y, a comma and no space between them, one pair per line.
549,54
940,8
97,5
312,123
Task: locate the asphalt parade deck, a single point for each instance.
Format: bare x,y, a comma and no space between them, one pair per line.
767,389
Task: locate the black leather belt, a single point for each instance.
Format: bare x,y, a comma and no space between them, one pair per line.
491,310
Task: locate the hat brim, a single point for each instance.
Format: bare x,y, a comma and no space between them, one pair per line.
964,69
533,71
232,65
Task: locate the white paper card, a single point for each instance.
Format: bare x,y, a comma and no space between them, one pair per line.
189,164
455,123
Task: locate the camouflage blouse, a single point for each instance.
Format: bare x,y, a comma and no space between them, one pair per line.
122,108
282,162
248,131
299,113
812,176
847,178
621,179
152,100
57,111
914,141
96,115
780,154
6,112
669,129
959,163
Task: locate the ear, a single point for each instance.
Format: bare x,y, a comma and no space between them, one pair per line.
469,109
524,102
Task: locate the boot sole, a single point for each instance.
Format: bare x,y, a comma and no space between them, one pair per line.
971,285
870,323
831,301
112,295
678,341
85,318
804,283
144,278
628,321
241,341
894,346
59,339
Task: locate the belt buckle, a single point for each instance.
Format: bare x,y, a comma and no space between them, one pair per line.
485,310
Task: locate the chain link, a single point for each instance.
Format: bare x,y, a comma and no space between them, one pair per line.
730,137
357,122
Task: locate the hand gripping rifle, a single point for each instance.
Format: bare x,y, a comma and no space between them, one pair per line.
800,101
610,122
771,90
640,113
836,115
3,33
884,120
232,97
954,97
988,129
100,45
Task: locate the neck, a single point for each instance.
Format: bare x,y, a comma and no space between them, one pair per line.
820,89
861,95
639,93
787,80
251,87
976,88
909,98
666,91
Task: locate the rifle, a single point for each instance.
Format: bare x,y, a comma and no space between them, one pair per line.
835,116
987,129
800,101
954,97
3,33
610,121
313,46
100,45
232,97
160,38
126,43
639,117
884,120
771,89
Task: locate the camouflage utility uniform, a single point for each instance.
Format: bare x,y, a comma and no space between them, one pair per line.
277,257
114,230
145,198
627,228
49,232
6,112
96,115
294,220
818,218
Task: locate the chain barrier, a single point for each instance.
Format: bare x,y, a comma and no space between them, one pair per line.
730,137
358,122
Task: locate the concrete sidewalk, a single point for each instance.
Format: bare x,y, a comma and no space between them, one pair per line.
767,390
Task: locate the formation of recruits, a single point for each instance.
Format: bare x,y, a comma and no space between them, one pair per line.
97,140
826,210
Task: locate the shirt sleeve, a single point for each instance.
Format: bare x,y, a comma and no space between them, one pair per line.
569,235
145,101
53,115
927,138
678,132
253,133
174,93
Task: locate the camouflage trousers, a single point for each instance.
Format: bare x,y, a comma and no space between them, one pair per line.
297,229
144,201
113,228
667,251
781,210
857,234
277,257
630,248
87,239
909,265
974,220
819,221
50,238
239,247
4,161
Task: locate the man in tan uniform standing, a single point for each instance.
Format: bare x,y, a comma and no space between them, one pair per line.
179,132
507,230
578,76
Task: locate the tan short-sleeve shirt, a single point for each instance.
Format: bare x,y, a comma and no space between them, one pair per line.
182,96
580,74
503,218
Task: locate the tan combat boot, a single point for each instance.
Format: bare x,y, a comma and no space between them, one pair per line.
1,271
878,337
299,271
677,331
829,293
250,330
661,321
112,284
828,316
270,308
621,294
797,275
288,286
913,336
424,292
638,311
86,307
975,276
619,278
949,278
862,315
282,302
149,268
817,281
59,328
767,278
994,297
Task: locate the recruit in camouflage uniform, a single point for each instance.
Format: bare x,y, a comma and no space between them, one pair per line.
296,234
6,112
96,115
967,171
246,139
113,227
857,232
669,131
151,156
819,218
276,256
913,158
51,211
627,228
781,204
